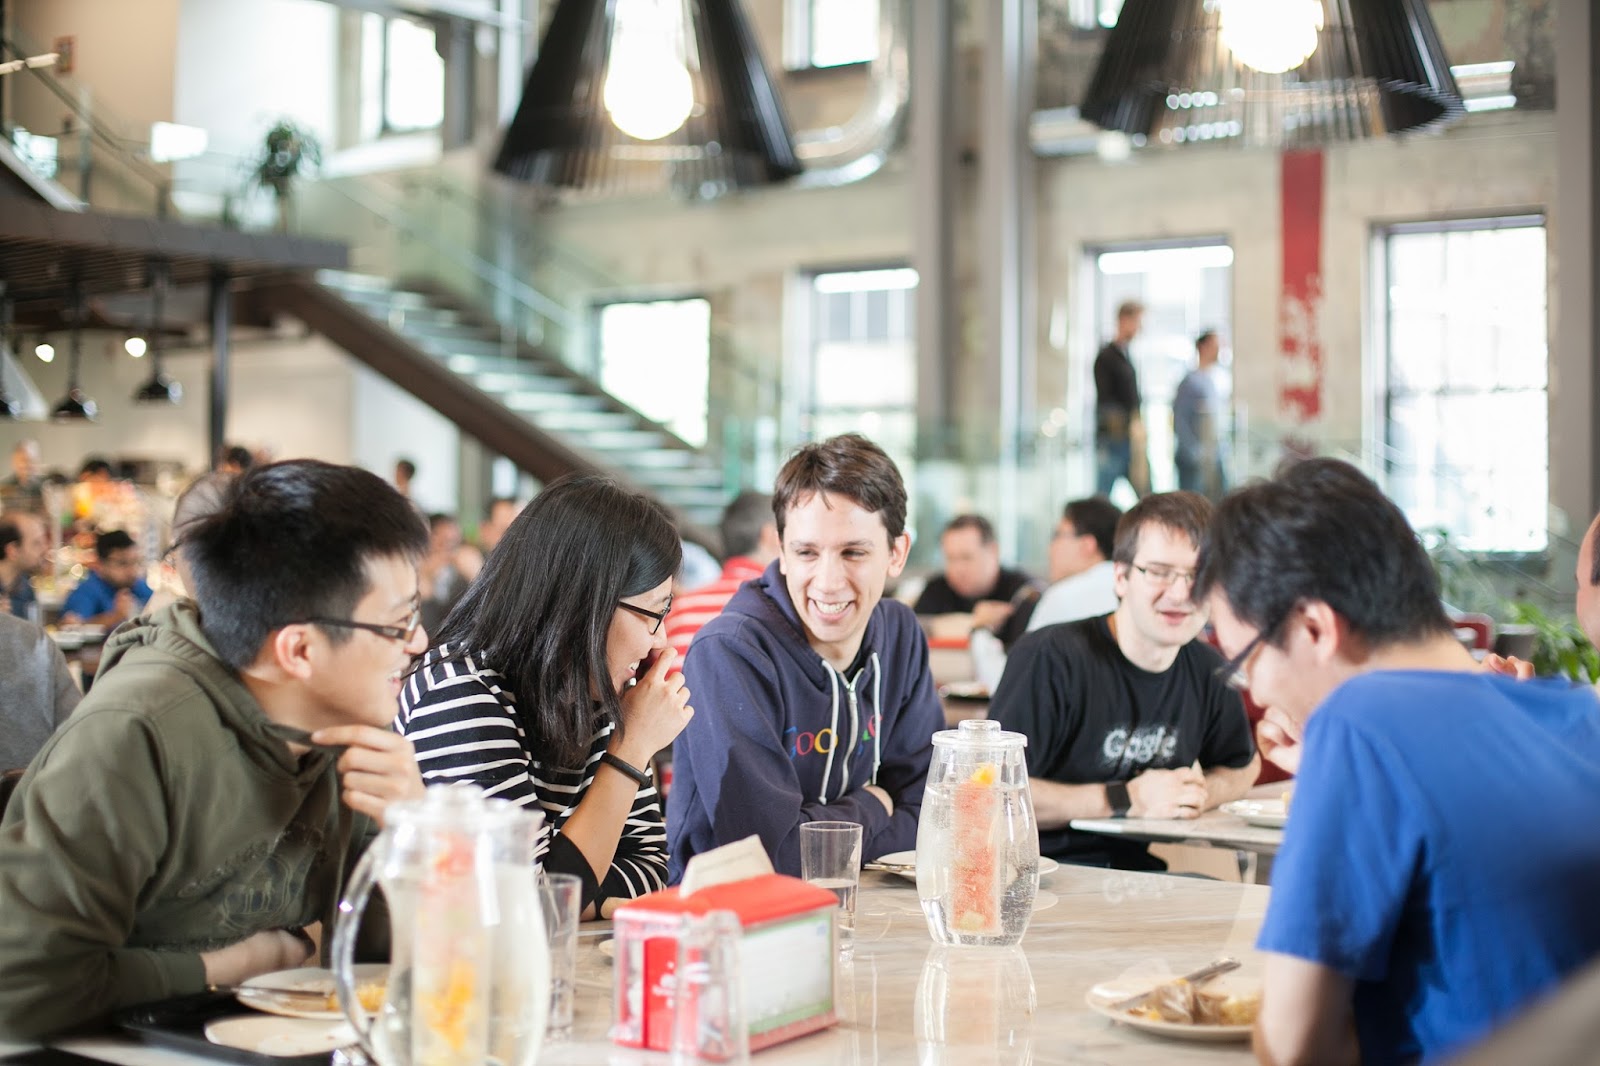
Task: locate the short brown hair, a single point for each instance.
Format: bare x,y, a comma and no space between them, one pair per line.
976,522
1184,512
1129,308
848,465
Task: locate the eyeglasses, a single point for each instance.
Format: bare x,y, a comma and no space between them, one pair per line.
657,616
1165,576
401,633
1232,673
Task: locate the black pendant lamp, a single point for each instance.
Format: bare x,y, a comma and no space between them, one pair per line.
1272,73
76,406
649,96
160,388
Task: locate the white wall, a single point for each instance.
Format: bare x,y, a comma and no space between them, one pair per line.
292,398
390,424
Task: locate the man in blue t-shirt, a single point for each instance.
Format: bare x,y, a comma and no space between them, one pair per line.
1437,873
113,592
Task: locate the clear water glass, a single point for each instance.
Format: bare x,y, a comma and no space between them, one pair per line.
830,857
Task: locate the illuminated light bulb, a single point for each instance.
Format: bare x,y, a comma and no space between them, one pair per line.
1272,36
135,346
45,351
647,91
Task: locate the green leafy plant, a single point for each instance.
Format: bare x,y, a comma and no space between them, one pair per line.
1560,648
286,151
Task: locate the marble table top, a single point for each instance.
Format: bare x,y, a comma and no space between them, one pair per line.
903,999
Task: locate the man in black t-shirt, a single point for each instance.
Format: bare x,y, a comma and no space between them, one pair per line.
1124,714
974,590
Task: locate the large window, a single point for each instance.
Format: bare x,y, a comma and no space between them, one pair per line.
1466,409
1185,289
402,77
655,357
862,363
830,33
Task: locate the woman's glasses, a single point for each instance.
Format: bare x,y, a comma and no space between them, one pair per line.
657,616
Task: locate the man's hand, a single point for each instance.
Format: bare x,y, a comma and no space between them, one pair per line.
124,606
264,952
883,797
378,767
1179,793
1509,665
991,614
1278,737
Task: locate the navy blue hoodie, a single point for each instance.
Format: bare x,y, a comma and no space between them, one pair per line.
779,737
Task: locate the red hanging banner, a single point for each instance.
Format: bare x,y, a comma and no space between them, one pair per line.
1300,373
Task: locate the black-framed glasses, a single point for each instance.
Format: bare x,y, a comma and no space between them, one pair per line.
401,633
1165,576
656,616
1232,672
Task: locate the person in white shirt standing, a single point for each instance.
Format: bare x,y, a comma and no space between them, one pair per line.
1082,584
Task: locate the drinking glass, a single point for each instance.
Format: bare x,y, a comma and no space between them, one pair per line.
562,896
830,857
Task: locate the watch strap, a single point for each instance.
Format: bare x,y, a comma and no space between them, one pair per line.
1117,797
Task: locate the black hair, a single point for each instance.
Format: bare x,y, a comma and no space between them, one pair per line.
238,455
848,465
976,522
1097,517
743,521
440,518
541,608
1181,512
112,540
10,533
1322,531
1205,335
94,465
1594,556
291,541
406,467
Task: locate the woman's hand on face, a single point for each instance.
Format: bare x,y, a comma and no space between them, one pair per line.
654,710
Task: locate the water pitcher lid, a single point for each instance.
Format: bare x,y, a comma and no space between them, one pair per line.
980,734
458,807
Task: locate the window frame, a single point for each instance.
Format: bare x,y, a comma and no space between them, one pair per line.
1380,334
798,53
386,127
596,353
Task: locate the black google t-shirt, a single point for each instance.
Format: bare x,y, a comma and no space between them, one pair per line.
1091,716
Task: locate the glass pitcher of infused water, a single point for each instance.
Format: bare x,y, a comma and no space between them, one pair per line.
977,842
469,969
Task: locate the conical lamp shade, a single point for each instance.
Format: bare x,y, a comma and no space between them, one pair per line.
1173,73
9,408
564,134
159,389
77,407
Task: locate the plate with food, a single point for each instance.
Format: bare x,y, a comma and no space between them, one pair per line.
1219,1009
904,863
295,993
1267,813
972,691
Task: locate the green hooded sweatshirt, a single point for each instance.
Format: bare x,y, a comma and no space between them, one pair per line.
165,818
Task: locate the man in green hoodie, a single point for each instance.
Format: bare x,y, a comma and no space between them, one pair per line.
199,809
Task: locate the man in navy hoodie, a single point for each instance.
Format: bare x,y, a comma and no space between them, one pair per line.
812,692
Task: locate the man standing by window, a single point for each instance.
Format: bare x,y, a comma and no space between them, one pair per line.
1119,426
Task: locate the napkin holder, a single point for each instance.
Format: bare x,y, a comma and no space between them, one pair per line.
786,957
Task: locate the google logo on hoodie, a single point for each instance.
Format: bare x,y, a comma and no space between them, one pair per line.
820,742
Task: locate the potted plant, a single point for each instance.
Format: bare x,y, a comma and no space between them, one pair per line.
1560,648
286,151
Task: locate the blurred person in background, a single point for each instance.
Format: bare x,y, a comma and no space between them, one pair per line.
974,590
24,549
114,590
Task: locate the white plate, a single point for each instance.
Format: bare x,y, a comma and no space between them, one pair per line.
1269,814
308,978
266,1035
1101,996
964,690
909,859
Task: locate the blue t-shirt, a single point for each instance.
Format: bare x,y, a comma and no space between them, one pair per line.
94,595
1441,852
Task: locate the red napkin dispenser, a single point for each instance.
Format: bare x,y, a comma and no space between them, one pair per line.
787,957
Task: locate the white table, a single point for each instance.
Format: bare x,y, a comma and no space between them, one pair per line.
1255,844
904,1000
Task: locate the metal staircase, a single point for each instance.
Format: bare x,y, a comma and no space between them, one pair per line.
546,417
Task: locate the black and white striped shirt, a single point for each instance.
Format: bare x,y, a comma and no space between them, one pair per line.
463,722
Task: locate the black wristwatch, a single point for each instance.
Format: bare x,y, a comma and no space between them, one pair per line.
1117,796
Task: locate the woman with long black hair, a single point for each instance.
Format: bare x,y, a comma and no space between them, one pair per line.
548,683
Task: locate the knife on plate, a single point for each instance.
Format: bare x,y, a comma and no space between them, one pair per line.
1197,977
